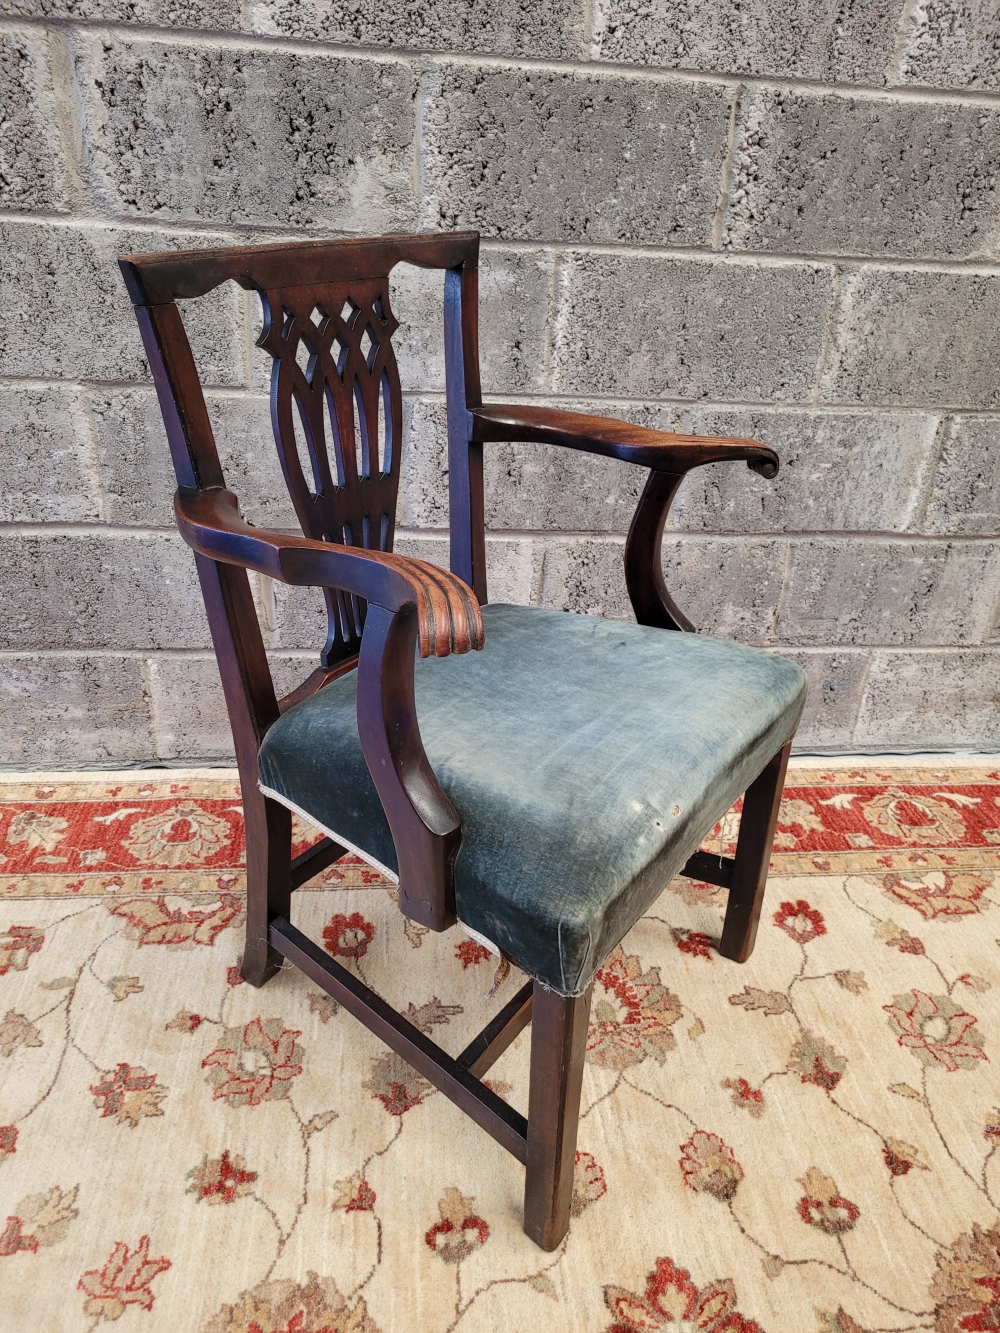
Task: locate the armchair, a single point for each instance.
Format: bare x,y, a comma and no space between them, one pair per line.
536,775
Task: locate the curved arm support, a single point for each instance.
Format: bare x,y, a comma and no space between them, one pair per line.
426,828
668,456
644,580
448,618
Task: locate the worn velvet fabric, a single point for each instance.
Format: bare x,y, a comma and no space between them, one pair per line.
587,759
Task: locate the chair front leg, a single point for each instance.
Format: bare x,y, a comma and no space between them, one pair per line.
753,857
558,1049
269,880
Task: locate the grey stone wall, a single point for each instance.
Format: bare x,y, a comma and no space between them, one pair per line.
764,217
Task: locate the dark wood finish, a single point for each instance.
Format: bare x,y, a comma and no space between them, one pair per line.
753,856
484,1051
507,1126
647,588
426,828
172,275
465,453
249,693
710,869
668,456
315,681
558,1050
448,616
315,859
657,449
336,412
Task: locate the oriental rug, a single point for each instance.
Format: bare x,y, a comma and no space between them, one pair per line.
805,1144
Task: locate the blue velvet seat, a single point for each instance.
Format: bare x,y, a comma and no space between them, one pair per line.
587,758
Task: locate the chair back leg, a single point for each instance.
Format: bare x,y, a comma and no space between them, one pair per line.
753,857
558,1049
269,880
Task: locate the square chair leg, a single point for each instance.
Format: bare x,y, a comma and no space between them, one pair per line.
753,857
269,881
558,1048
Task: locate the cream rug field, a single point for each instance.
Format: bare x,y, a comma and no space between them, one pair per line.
805,1144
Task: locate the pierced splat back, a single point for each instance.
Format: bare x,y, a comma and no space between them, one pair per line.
336,409
337,412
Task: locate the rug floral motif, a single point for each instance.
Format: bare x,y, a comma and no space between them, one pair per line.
804,1144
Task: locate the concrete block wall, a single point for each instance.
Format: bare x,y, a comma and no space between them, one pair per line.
763,217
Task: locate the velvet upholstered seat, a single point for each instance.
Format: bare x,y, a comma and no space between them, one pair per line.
535,775
587,758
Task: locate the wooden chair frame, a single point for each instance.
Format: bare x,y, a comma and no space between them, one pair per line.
383,607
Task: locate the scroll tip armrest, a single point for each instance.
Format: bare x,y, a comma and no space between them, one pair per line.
663,451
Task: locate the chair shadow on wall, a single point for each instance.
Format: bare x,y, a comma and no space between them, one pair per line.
564,767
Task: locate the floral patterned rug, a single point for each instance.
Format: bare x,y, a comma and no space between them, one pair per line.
805,1144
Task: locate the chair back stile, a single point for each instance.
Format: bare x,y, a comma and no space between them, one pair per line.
246,677
465,455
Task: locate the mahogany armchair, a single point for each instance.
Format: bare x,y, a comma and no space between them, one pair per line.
558,777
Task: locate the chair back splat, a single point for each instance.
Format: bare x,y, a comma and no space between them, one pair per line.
336,400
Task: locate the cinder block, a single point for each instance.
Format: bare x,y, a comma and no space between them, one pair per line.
840,175
535,154
535,28
32,172
952,44
88,590
729,588
849,42
297,617
224,15
190,720
513,564
917,338
584,575
945,699
836,681
136,471
188,708
70,710
514,570
46,457
251,136
65,314
965,495
681,328
538,487
871,591
423,475
514,308
856,471
528,487
133,456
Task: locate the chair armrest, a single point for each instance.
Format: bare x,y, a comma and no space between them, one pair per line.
667,456
448,615
656,449
410,602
